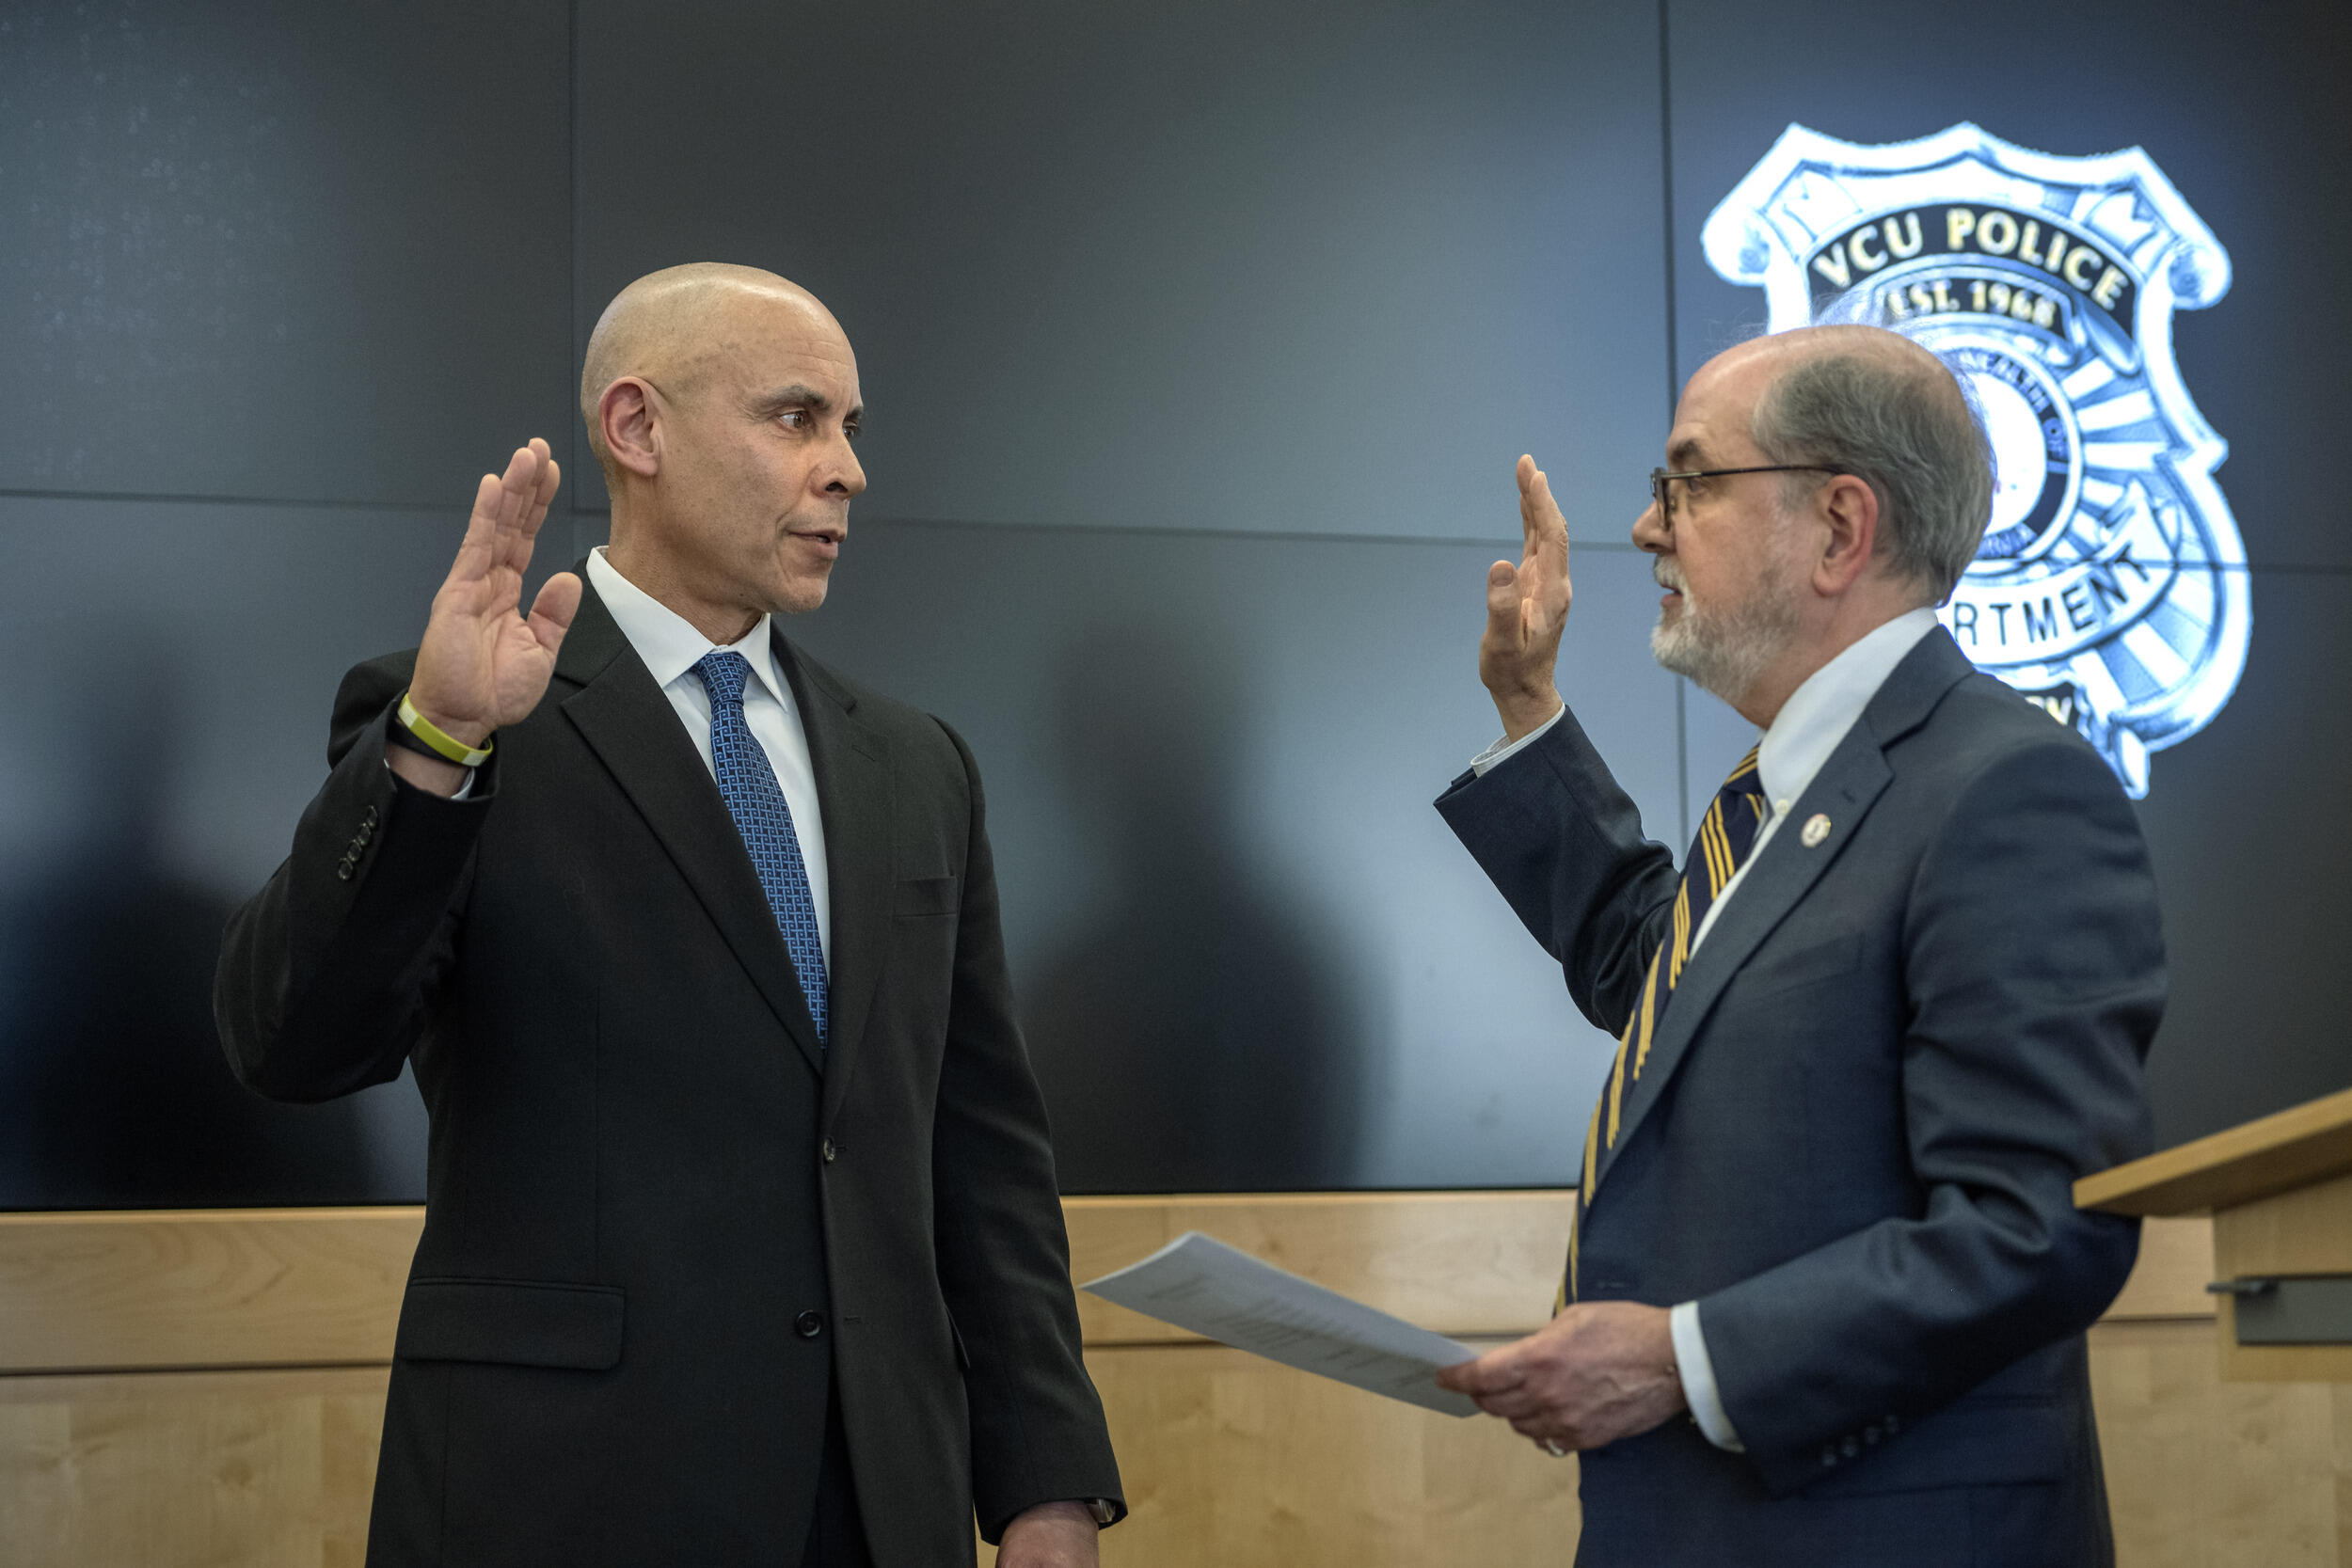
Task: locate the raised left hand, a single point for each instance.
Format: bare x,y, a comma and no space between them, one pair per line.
1050,1535
1599,1371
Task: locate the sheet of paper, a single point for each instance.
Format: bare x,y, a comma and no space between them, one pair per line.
1199,1283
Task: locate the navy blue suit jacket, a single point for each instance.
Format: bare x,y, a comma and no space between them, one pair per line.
1856,1138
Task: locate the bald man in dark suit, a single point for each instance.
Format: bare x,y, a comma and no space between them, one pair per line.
742,1243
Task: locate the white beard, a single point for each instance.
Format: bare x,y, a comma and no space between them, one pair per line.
1725,651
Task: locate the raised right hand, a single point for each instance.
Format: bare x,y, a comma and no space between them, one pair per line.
482,663
1526,607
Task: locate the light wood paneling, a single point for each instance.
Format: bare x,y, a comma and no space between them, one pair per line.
248,1469
2169,1281
1234,1461
224,1287
2207,1473
2308,1231
2304,1231
1229,1460
308,1287
2302,1144
2279,1192
276,1286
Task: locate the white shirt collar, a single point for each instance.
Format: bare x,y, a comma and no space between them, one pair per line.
667,641
1818,713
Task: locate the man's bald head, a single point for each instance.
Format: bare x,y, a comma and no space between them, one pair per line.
674,326
1873,404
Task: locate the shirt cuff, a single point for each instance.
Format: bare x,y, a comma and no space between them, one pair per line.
465,788
1698,1378
1502,749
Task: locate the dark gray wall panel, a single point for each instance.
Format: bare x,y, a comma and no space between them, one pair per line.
1177,296
2246,827
170,671
2241,110
1312,267
281,250
2242,113
1250,953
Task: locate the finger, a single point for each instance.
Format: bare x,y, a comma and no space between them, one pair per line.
1494,1372
520,509
1514,1404
477,549
550,479
1543,1433
542,460
551,613
535,505
1464,1378
1527,474
517,487
1547,528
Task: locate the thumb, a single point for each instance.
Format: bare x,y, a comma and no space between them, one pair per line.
1502,596
1496,1369
551,613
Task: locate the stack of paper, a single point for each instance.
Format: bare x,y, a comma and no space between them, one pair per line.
1199,1283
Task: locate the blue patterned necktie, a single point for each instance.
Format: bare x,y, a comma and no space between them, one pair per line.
1726,836
747,782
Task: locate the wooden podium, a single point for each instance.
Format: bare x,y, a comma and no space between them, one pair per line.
2279,1192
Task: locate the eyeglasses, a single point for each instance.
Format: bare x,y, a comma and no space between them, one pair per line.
1660,480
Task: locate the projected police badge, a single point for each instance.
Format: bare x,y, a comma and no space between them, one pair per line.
2110,587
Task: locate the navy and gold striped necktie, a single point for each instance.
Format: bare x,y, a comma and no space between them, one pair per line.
1726,836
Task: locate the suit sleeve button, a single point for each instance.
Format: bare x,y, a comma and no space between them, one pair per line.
809,1324
826,1151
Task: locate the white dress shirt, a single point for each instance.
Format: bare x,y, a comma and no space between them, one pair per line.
1807,730
671,648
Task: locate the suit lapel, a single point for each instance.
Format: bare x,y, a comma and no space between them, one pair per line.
635,732
854,785
1786,869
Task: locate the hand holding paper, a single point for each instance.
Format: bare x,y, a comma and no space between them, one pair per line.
1599,1371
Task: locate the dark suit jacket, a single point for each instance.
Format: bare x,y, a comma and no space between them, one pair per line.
1855,1139
658,1217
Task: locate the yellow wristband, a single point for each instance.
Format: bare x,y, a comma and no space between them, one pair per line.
444,745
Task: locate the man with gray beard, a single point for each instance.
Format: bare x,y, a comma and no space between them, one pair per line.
1826,1287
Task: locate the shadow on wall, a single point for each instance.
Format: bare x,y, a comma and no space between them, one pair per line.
113,1089
1196,1034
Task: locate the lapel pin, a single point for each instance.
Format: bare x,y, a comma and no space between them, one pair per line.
1815,830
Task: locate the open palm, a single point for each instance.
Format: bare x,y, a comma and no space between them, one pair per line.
1526,607
483,663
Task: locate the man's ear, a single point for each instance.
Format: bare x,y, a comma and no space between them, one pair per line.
1849,511
626,415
